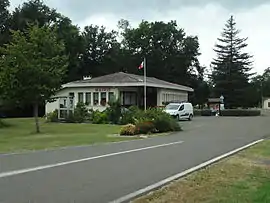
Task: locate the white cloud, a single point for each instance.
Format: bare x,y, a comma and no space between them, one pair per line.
207,22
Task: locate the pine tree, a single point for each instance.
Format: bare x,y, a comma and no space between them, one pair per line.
232,67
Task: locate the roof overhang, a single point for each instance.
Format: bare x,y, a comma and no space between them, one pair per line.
139,84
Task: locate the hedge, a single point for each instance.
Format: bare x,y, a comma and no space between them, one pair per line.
204,112
240,112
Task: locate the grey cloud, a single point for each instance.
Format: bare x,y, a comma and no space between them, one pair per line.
81,9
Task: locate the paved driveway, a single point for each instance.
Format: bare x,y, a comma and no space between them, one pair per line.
109,171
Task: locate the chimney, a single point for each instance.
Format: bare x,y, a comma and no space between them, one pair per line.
87,77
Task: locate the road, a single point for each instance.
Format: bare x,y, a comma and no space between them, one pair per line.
106,172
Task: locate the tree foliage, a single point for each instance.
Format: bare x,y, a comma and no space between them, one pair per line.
100,49
172,55
232,66
4,21
32,67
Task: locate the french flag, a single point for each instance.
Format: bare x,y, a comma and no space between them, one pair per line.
141,66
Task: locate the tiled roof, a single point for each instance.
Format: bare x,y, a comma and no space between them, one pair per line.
121,77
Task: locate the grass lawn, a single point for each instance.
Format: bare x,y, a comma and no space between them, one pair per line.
20,135
243,178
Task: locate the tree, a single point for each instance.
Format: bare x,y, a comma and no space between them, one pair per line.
32,67
37,12
232,67
33,12
171,54
260,87
70,35
100,51
4,21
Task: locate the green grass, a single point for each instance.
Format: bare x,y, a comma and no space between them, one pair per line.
243,178
19,135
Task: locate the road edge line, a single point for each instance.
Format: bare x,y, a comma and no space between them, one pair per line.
43,167
165,181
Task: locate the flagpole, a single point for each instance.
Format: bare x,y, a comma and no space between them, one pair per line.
145,90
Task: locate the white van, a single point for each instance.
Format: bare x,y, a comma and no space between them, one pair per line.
180,110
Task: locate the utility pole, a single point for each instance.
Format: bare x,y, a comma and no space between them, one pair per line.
262,92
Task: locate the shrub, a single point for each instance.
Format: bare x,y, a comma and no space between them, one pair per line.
165,123
80,114
154,113
114,112
126,118
52,116
128,129
175,126
100,117
240,112
133,115
145,127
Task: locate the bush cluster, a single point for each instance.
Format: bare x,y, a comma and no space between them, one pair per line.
52,116
152,121
136,121
80,115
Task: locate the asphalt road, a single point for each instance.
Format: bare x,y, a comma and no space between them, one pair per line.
115,170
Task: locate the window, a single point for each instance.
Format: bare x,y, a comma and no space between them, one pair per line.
268,104
163,98
172,107
71,94
103,101
88,98
80,97
111,96
182,108
95,95
129,98
71,99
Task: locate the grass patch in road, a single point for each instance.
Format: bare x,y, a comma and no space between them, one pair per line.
19,135
243,178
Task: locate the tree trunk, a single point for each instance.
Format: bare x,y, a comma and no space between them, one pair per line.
36,117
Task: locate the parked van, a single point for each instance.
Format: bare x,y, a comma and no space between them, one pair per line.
180,110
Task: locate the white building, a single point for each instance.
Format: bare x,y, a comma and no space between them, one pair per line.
266,103
129,88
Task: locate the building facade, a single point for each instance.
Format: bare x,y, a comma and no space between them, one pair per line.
266,103
128,88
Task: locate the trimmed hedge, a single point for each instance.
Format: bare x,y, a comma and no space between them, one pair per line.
203,112
240,112
197,112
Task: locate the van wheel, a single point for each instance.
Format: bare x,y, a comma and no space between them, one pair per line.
177,118
190,117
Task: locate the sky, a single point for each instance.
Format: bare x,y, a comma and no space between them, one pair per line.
204,18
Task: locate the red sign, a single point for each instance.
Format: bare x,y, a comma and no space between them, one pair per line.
102,89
